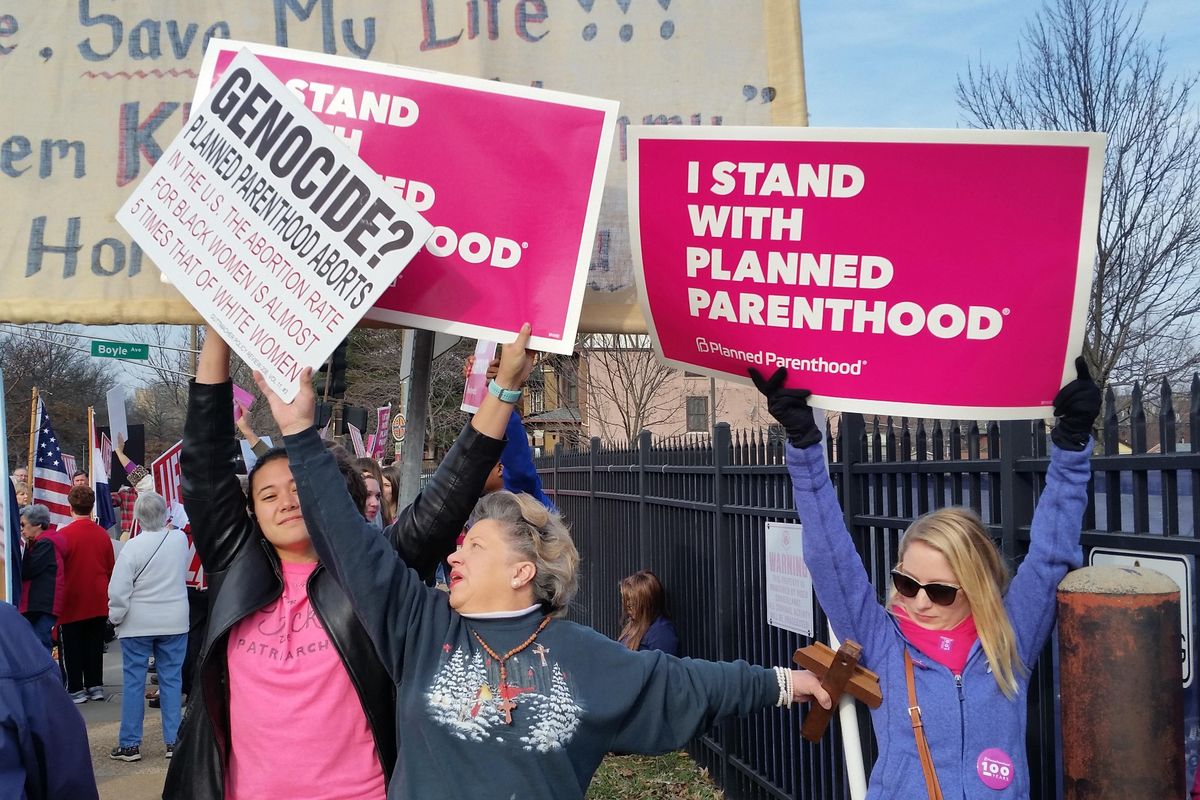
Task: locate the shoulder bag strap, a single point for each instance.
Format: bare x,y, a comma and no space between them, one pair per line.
166,533
914,715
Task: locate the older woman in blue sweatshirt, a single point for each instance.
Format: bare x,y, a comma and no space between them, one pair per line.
970,636
497,695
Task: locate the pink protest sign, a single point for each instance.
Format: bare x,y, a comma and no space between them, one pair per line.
383,416
243,398
510,176
920,273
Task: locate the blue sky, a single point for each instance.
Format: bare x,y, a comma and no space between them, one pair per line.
894,63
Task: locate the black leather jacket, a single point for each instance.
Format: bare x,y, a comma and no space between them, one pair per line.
244,575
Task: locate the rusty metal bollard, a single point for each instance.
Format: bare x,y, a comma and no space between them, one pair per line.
1121,682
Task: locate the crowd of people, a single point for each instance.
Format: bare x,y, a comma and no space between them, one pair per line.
350,648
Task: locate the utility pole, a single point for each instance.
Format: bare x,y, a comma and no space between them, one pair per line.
192,335
418,413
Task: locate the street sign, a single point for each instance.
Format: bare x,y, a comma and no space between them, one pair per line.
398,427
119,350
1176,567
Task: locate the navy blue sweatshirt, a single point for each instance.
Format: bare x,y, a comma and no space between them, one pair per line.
579,695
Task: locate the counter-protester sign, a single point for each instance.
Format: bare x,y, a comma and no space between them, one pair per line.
510,176
278,235
919,273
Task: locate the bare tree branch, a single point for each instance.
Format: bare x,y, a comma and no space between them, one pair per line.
1084,66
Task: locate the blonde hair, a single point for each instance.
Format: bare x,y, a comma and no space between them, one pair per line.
958,534
537,534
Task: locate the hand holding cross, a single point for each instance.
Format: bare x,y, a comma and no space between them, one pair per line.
839,673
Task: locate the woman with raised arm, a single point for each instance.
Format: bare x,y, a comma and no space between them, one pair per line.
497,694
956,641
293,700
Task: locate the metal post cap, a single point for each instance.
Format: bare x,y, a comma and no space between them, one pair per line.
1117,580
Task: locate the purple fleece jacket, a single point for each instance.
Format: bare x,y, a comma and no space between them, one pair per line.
975,733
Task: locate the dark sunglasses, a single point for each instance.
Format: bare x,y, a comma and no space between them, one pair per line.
942,594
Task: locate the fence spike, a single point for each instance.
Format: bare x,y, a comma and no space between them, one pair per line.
1137,420
1166,419
1111,427
922,440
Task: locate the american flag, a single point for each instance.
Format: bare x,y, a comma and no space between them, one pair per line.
51,482
356,439
69,464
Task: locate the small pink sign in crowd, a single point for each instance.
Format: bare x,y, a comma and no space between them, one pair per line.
936,273
509,176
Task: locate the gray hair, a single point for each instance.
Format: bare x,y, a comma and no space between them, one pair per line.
150,510
537,534
36,515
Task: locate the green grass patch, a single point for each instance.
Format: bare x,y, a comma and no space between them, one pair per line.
672,777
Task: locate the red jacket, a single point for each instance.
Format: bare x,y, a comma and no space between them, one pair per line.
88,562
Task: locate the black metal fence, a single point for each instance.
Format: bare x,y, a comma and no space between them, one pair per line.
693,510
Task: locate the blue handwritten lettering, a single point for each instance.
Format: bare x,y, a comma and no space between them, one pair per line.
8,29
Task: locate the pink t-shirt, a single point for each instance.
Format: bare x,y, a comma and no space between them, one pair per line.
296,722
949,648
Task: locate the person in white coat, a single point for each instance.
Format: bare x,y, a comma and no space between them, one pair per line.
147,602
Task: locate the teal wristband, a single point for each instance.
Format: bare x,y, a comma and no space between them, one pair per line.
505,395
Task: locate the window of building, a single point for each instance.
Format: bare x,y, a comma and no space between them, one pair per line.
697,414
568,382
535,392
776,434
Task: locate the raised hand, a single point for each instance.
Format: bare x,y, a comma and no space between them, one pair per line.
298,415
1076,405
789,407
516,361
492,369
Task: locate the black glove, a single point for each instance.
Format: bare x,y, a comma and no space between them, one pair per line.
789,407
1076,405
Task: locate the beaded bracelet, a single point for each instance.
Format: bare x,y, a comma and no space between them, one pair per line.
783,675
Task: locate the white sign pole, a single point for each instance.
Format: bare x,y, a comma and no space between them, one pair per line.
856,773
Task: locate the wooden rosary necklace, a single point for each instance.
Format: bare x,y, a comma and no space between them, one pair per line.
507,703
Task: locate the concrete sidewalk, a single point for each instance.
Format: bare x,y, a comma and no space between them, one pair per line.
120,780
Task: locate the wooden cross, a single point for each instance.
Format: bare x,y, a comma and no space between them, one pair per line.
540,652
507,706
508,700
839,673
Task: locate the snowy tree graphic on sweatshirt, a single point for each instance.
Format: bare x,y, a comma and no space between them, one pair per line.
466,697
556,718
461,697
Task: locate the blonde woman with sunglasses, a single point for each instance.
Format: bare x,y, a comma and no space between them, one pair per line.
953,621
